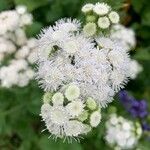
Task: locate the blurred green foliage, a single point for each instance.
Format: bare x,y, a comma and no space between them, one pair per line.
20,125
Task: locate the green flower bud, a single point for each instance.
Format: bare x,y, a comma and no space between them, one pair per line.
83,116
47,97
138,129
91,104
91,18
87,129
90,29
58,98
99,109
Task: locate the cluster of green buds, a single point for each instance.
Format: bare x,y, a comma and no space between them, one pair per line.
99,17
67,115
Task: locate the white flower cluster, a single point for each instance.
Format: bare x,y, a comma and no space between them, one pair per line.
98,17
13,19
16,48
124,35
66,56
12,32
121,133
17,73
96,67
67,115
135,69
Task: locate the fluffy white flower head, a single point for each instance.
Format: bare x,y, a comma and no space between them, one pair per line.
135,69
121,132
8,21
114,17
87,8
71,47
72,92
128,39
75,108
21,9
103,22
89,29
67,25
101,9
58,98
95,119
63,118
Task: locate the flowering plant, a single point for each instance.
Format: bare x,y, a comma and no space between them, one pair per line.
122,133
17,53
87,59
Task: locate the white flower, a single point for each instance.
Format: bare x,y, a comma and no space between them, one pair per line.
7,79
125,36
59,115
87,8
30,73
26,19
75,108
17,72
20,74
31,43
120,132
95,118
72,92
104,42
21,9
103,22
74,128
6,46
56,118
60,123
53,80
135,69
22,53
72,58
23,80
101,9
58,98
89,29
117,57
118,80
67,25
71,47
114,17
9,21
58,35
20,36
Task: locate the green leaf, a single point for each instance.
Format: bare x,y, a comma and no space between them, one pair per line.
142,54
146,16
5,4
33,29
26,145
138,5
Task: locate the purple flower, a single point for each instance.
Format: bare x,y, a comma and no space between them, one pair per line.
139,109
125,99
145,126
135,107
